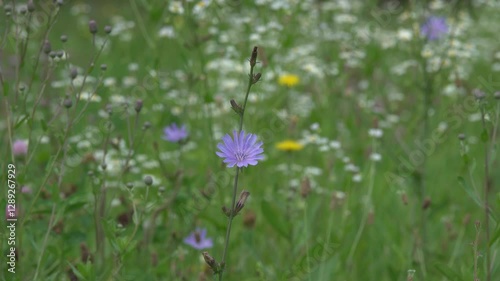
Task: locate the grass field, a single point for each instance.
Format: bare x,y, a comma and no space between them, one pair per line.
368,146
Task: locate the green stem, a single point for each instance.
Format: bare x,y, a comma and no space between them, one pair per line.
486,198
235,188
230,222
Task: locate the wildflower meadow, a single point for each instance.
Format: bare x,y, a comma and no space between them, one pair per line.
315,140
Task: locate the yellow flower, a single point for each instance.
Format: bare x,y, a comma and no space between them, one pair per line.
289,145
288,80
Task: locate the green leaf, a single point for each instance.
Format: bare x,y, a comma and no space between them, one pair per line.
20,122
5,88
44,125
484,135
275,218
495,236
469,190
449,273
77,272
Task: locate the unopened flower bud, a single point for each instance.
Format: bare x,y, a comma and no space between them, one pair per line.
496,95
461,137
210,261
148,180
256,78
60,54
253,58
64,38
23,10
59,3
146,125
68,103
92,26
138,106
241,202
226,211
46,48
108,29
73,73
236,107
52,54
31,6
104,67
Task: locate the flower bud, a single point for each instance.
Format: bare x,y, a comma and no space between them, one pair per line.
256,78
46,48
148,180
108,29
236,107
241,202
73,73
92,26
210,261
68,103
31,6
63,38
138,106
253,58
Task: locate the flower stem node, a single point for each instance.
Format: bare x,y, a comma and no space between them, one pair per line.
253,58
236,107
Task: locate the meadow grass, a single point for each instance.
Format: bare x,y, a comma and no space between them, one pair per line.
379,122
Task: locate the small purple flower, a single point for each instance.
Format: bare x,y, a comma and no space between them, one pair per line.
198,239
241,150
173,133
20,147
434,28
26,189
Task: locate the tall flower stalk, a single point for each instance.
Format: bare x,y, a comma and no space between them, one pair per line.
241,150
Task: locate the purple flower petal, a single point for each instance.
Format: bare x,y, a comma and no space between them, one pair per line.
241,150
